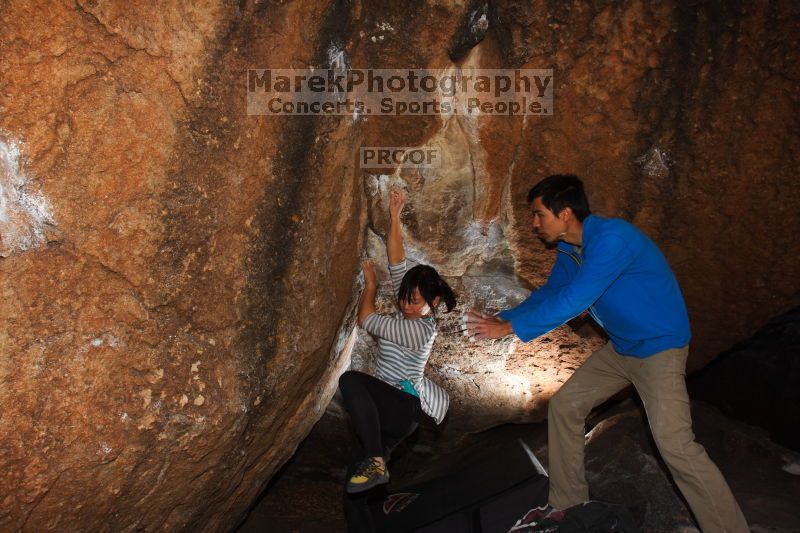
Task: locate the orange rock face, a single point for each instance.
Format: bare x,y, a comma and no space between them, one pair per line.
177,276
680,119
174,272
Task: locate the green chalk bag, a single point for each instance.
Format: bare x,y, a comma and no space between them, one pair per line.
408,387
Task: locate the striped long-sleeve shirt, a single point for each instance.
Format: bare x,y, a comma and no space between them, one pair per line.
403,350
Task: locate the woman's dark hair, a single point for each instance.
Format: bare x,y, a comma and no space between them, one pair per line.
430,285
560,191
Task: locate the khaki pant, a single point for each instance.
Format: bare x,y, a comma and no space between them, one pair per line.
660,381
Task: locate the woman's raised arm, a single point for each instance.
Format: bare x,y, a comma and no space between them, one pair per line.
394,242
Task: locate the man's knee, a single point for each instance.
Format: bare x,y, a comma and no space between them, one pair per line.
674,439
562,404
571,402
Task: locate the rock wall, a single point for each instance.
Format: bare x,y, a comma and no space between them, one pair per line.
174,272
655,107
758,380
623,465
177,276
682,118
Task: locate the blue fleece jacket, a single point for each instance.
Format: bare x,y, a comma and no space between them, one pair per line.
622,278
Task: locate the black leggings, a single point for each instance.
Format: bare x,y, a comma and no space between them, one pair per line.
382,415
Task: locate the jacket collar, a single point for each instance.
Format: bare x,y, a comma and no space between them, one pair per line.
590,227
589,230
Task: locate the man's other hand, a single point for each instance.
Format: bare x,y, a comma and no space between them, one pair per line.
485,326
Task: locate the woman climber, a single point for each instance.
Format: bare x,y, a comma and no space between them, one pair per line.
386,408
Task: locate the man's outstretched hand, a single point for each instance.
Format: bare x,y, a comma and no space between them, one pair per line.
484,326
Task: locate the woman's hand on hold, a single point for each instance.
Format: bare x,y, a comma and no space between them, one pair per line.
370,279
397,199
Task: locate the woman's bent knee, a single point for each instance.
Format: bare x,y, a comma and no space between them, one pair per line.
348,379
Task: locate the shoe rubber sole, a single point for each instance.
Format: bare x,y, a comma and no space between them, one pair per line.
355,488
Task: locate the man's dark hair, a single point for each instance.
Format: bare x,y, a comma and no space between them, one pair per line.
559,191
